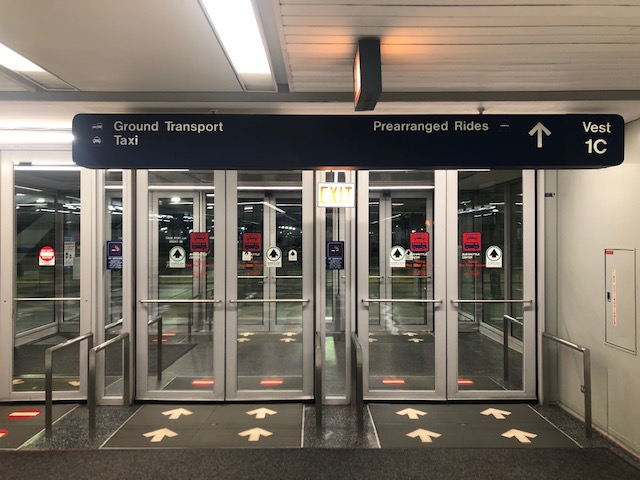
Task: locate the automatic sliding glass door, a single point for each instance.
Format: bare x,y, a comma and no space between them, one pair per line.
269,285
491,348
225,282
180,285
404,332
446,284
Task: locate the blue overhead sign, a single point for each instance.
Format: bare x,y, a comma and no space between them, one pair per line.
237,142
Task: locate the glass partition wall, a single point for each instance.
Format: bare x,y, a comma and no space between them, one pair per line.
47,274
232,282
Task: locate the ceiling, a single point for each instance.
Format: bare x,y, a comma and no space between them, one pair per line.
438,57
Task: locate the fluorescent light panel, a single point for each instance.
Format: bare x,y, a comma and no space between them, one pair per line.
237,27
31,137
16,62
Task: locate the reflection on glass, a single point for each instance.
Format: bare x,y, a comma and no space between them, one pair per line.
180,333
269,256
401,335
375,280
47,267
490,227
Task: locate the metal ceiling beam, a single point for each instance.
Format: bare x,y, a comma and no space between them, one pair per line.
318,97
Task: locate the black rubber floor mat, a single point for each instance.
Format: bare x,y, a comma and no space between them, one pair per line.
211,426
465,426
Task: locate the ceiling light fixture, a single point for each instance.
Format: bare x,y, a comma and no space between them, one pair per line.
236,25
367,74
16,62
12,60
24,136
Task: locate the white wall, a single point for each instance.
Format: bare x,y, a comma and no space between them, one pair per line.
596,210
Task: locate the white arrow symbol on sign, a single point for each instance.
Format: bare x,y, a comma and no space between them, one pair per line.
176,413
261,412
498,414
412,413
539,129
410,334
424,435
287,340
289,334
523,437
247,334
158,435
255,433
415,340
242,340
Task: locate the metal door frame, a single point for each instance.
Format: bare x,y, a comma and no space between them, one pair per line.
231,228
147,233
439,274
346,225
529,295
8,309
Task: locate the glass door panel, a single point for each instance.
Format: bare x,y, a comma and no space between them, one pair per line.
405,326
493,298
47,275
335,282
269,313
178,306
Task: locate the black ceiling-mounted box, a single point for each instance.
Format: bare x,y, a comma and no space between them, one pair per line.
367,74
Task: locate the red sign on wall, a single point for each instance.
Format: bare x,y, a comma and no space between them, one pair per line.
199,241
252,242
472,242
419,242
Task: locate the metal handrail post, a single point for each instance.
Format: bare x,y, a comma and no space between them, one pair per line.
586,362
48,379
158,319
507,321
318,384
586,380
357,361
93,394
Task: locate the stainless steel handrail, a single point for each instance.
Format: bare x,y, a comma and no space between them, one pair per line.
585,387
46,299
506,321
186,300
113,325
287,276
261,277
458,300
48,381
271,300
400,300
91,391
317,384
158,319
357,393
